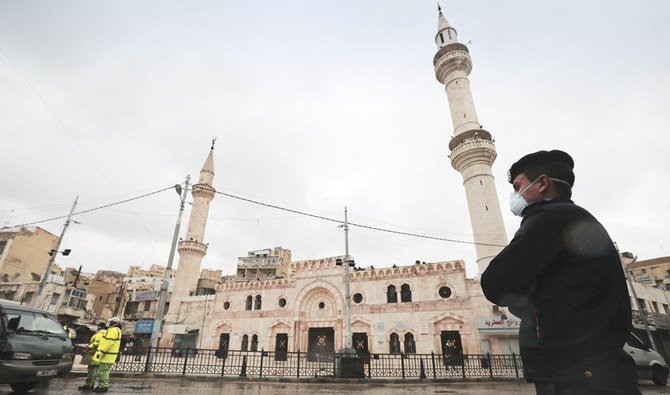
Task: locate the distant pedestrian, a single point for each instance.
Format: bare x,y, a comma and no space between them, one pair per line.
561,274
87,358
107,352
138,348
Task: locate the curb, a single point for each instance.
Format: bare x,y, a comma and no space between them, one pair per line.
310,380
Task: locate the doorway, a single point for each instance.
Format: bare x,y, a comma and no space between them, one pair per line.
281,346
452,348
321,344
360,342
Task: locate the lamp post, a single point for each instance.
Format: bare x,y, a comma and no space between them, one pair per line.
632,287
166,278
38,295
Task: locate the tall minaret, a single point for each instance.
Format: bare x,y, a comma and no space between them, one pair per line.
472,148
192,248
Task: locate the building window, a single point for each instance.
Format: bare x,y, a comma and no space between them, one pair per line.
254,343
441,38
410,347
282,302
445,292
394,344
2,246
258,302
249,303
226,305
391,294
358,298
245,343
147,305
405,293
322,305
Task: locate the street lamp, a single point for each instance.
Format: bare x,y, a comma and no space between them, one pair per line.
155,331
53,253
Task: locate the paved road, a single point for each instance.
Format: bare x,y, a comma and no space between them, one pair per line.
200,386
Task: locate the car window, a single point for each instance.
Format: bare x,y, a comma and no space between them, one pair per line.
635,342
34,321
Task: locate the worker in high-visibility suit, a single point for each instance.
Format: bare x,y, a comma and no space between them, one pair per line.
106,354
87,359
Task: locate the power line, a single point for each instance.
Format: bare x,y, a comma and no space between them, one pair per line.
397,232
91,209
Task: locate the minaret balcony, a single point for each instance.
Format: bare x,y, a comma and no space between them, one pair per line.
203,190
472,151
192,247
453,57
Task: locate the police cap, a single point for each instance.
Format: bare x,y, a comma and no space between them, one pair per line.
539,158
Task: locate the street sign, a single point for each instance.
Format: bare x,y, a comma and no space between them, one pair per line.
144,326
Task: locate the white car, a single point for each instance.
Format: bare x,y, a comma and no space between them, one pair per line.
650,364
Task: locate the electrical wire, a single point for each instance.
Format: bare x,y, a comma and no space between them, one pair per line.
397,232
91,209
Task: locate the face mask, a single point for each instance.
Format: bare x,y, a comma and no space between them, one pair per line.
516,201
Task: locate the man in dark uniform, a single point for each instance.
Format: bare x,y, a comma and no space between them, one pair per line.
561,274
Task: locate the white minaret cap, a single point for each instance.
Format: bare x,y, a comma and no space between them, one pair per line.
445,33
207,171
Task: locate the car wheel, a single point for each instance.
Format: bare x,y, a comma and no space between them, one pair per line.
659,375
23,387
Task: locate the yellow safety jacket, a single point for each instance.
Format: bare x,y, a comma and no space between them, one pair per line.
95,339
109,345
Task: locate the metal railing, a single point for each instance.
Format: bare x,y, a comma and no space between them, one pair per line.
301,364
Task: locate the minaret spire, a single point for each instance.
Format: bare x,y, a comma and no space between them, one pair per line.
472,148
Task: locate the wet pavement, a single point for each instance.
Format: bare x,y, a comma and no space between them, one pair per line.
202,385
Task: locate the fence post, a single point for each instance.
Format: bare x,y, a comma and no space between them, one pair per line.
369,365
298,374
335,364
183,372
463,357
146,364
488,355
402,365
422,371
260,374
223,366
432,357
516,367
243,372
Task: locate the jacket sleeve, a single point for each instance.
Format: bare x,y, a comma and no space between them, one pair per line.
511,274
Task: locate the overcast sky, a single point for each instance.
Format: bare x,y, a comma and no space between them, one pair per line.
316,106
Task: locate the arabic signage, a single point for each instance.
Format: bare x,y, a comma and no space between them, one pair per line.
145,295
144,326
498,325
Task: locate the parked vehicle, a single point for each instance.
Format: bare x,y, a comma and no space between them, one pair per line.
650,364
33,346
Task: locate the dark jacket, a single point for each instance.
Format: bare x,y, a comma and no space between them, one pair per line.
561,274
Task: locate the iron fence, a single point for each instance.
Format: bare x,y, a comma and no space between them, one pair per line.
301,364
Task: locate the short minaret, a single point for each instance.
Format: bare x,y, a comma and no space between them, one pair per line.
192,248
472,148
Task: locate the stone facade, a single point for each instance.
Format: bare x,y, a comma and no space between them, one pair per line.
401,309
24,253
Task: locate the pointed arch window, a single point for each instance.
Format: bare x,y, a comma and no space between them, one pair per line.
247,305
410,346
391,294
254,343
405,293
394,344
257,305
245,343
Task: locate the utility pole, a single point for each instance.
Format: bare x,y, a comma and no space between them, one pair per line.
38,296
347,333
166,278
640,310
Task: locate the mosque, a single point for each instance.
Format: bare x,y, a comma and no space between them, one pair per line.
273,303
